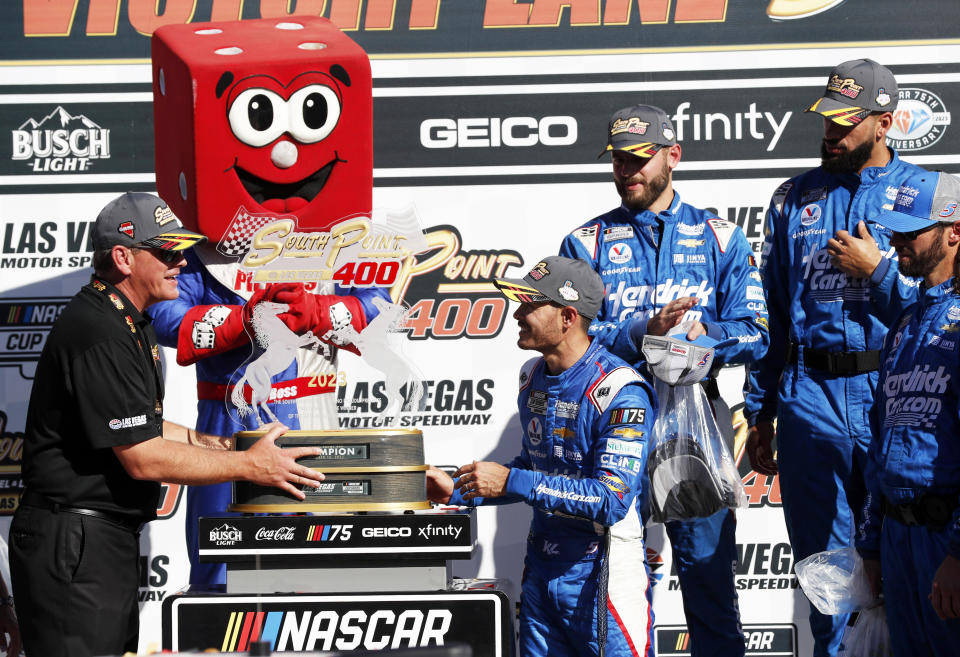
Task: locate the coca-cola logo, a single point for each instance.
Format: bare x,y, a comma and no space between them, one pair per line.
278,534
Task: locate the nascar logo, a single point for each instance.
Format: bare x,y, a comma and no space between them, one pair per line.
330,630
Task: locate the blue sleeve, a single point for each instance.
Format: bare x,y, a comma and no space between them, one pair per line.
167,315
763,376
521,462
892,293
741,307
366,295
612,334
867,539
606,494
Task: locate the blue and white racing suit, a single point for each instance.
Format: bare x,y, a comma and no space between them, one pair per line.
647,260
581,467
914,462
819,375
198,287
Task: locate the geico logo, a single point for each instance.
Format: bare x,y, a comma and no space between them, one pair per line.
386,532
381,629
283,393
494,132
627,298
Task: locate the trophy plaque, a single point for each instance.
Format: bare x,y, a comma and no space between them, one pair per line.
365,470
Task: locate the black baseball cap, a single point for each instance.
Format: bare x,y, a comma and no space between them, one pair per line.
562,280
640,129
854,90
138,219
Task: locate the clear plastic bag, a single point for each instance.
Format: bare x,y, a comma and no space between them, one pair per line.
835,581
692,473
869,636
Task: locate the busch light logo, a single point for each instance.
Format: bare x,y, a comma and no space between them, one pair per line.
919,121
60,142
225,535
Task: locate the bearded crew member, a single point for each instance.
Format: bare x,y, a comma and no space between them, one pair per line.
911,521
833,289
663,263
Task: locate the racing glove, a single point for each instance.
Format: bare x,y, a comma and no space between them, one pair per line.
332,318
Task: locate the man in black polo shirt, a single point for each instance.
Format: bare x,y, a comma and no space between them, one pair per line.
96,445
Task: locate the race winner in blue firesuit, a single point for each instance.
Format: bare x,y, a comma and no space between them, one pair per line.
586,416
913,463
206,326
664,262
833,289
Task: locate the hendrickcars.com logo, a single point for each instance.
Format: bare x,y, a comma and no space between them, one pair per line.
330,629
60,143
759,640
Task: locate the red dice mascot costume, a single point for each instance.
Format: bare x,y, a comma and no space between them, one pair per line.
256,122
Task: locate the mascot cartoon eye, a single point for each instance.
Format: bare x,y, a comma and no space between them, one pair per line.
314,112
257,117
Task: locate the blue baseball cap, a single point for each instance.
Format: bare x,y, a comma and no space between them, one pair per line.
922,201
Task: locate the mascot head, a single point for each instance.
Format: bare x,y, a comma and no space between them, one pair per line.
262,118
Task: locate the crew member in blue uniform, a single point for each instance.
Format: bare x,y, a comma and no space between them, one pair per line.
833,289
664,262
911,520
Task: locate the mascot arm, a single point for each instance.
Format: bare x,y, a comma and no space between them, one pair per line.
210,330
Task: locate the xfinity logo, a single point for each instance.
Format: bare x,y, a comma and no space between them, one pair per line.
438,531
60,142
494,132
751,124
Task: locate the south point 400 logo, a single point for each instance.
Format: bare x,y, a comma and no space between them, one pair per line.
60,143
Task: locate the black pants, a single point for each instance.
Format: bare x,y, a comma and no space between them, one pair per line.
75,580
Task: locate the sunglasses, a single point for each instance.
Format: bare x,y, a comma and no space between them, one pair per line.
166,257
911,235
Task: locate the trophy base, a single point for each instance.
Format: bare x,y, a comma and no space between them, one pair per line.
371,470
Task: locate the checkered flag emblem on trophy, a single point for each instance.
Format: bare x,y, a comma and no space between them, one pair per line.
236,239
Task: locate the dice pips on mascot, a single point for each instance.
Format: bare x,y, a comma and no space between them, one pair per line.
264,143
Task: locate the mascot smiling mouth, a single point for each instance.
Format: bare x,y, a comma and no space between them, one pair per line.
286,197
